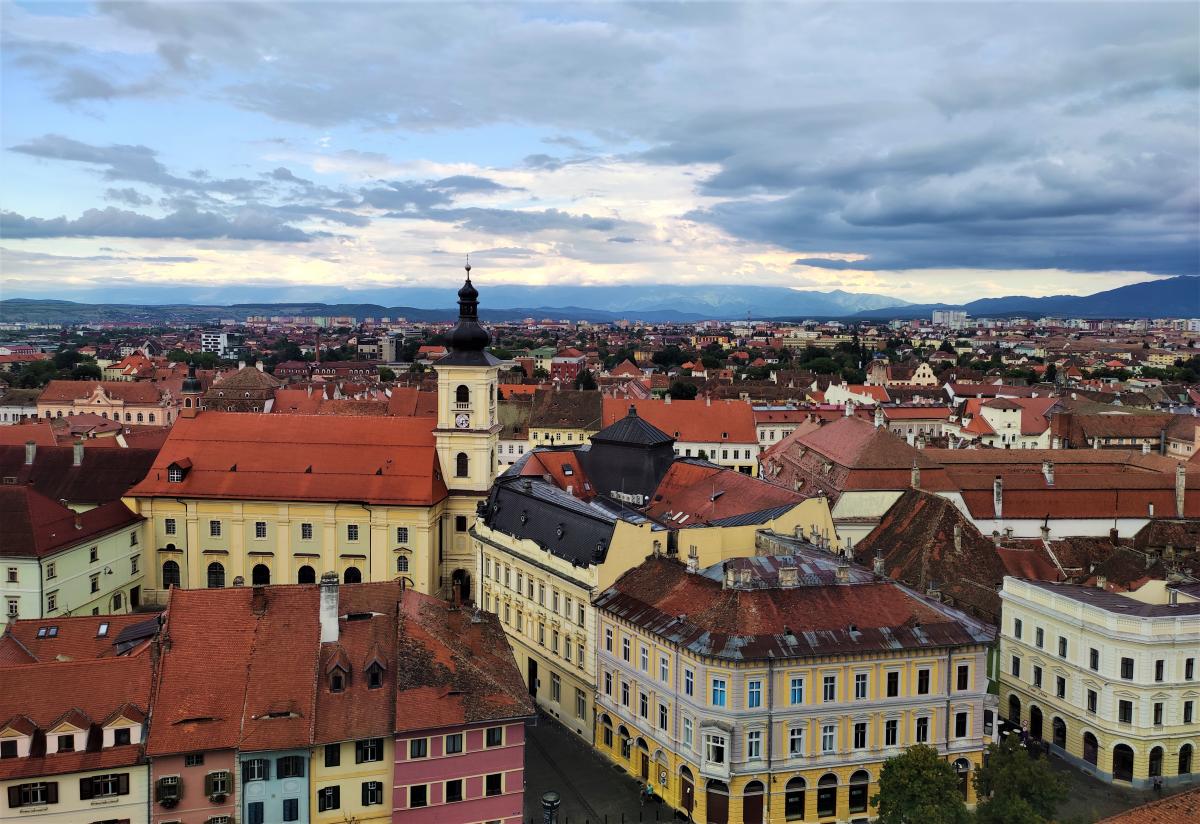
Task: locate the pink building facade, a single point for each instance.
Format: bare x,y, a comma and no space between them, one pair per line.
485,782
180,787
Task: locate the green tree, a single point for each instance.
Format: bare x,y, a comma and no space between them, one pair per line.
1015,787
683,391
1051,373
585,380
919,787
86,372
386,374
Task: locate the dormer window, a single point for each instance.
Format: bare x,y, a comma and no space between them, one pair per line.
66,743
8,749
374,676
337,682
121,737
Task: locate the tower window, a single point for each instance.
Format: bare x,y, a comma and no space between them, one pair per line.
462,396
462,464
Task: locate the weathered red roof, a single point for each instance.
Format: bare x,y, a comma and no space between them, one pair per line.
379,460
35,526
131,392
721,421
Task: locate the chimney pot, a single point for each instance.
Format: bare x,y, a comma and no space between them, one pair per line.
78,454
30,452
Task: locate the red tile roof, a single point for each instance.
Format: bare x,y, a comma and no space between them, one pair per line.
35,526
131,392
695,421
1182,808
378,460
702,493
76,637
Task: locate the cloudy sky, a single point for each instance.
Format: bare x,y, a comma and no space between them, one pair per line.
930,151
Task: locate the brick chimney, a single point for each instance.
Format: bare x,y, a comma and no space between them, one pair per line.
1048,472
915,475
877,565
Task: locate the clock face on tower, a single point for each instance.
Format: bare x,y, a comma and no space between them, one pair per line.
462,420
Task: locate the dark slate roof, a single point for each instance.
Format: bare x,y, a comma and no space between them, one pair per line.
1116,603
632,429
761,516
574,530
468,358
105,475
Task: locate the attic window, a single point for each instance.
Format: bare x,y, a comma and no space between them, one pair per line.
103,630
281,714
174,475
47,632
374,676
567,470
358,616
337,682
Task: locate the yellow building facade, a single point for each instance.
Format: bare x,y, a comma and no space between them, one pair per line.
727,737
334,765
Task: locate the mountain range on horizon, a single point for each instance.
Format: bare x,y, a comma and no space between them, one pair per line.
1171,297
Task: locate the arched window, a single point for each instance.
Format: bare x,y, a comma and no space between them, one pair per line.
1185,759
260,576
353,575
1014,709
170,574
216,575
1122,762
1091,749
306,575
462,396
402,563
1059,730
752,803
860,785
606,725
151,417
963,768
793,800
827,796
139,417
1156,759
462,465
1035,722
128,417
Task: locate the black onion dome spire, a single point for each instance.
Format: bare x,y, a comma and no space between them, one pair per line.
469,336
191,384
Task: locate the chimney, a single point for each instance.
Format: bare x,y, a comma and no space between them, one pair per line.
878,563
915,477
78,521
728,576
329,608
259,365
31,451
878,417
1113,535
241,364
1180,485
848,409
1172,597
693,561
1146,448
1048,472
1150,510
933,590
77,460
842,573
998,497
958,537
1101,582
920,442
789,576
1045,532
708,400
666,398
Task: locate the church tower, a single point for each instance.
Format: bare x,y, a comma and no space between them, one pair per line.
468,427
192,392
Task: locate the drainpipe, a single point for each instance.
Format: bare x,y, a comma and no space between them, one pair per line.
946,724
770,733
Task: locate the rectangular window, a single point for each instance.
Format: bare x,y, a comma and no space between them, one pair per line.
306,532
1094,659
454,743
860,735
893,684
51,602
688,734
1187,712
662,716
351,532
214,529
753,694
718,692
260,529
643,705
608,683
333,755
1158,713
554,641
922,682
1189,669
418,796
1017,628
829,688
254,812
625,648
1039,637
1127,669
1062,647
714,748
645,659
169,526
797,690
1125,712
290,766
494,737
121,737
891,732
493,784
1060,686
542,597
66,743
1037,676
1159,669
828,738
454,791
1016,667
860,686
580,704
402,535
94,554
964,676
922,730
581,616
95,582
689,682
329,798
625,693
608,639
555,687
664,668
796,741
291,809
960,725
194,759
256,769
1091,701
372,793
417,748
754,744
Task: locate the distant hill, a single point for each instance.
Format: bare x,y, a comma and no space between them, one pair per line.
1171,297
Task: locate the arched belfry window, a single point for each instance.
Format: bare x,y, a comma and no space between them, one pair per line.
462,395
462,465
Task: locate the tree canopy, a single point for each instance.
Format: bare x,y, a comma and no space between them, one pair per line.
920,787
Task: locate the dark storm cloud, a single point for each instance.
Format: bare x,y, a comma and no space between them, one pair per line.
129,196
247,224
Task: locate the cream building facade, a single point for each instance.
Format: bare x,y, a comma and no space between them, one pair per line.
1109,680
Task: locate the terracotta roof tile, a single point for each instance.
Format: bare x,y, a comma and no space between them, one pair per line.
1182,808
695,421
